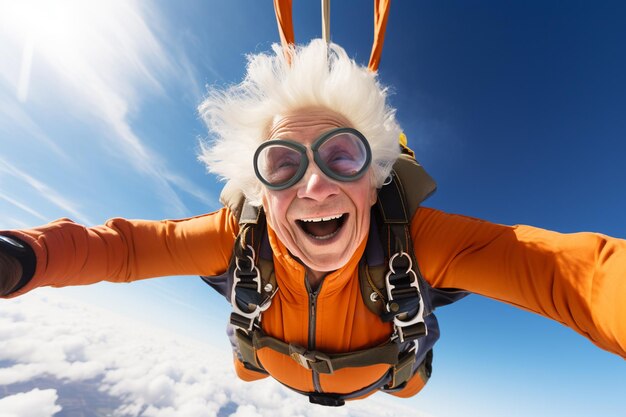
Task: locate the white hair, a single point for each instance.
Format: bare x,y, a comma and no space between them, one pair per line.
319,75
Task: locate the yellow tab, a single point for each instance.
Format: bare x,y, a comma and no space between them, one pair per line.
403,140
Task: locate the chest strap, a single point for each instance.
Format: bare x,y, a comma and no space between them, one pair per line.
404,285
401,362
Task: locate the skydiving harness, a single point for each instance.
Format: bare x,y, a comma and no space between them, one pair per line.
391,286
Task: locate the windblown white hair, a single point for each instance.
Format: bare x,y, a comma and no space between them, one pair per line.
319,75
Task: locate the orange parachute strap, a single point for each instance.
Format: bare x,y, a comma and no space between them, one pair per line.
283,10
381,13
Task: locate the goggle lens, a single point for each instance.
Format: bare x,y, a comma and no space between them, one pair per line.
342,154
279,163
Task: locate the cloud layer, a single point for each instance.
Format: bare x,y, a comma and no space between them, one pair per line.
35,403
152,373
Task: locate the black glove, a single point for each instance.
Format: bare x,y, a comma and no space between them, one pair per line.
17,264
10,273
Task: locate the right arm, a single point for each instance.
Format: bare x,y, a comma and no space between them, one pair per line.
123,250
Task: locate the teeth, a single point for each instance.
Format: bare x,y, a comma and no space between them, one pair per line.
321,219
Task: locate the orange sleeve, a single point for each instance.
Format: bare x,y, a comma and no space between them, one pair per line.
576,279
127,250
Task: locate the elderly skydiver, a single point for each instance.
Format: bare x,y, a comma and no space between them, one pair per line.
323,237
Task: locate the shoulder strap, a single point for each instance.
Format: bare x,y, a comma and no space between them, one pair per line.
411,185
393,287
414,181
253,280
233,198
249,284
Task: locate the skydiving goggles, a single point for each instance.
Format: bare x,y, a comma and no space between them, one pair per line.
342,154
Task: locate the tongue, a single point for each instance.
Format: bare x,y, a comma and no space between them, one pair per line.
319,229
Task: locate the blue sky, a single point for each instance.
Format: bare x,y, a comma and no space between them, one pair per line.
516,108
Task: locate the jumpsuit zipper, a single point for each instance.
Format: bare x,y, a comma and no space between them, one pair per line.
312,324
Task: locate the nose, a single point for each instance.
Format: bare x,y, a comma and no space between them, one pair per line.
316,185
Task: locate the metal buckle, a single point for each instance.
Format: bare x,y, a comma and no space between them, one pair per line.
419,316
305,358
257,279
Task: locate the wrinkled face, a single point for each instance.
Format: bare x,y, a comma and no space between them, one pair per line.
320,220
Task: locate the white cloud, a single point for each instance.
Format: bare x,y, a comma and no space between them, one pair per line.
246,411
151,372
35,403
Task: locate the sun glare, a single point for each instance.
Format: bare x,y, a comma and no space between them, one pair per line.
70,35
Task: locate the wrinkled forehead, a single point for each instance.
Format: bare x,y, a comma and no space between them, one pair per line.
305,125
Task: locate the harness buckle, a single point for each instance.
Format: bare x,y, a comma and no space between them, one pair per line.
315,361
244,275
417,321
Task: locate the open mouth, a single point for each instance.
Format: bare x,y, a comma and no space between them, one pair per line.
323,228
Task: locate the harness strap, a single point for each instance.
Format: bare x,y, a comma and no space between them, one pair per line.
253,285
403,370
335,400
283,10
401,363
325,363
381,13
326,21
405,304
384,383
284,18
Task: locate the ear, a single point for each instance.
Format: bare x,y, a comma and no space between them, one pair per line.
373,191
266,208
373,194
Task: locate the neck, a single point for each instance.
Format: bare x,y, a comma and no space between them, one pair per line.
315,278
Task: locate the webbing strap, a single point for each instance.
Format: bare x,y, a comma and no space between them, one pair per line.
253,280
323,363
326,21
405,304
283,9
403,370
246,349
284,18
381,13
391,203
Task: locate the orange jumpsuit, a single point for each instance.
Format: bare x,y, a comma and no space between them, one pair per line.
576,279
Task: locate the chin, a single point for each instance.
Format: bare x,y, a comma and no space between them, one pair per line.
328,262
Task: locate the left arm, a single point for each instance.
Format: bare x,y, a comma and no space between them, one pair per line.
576,279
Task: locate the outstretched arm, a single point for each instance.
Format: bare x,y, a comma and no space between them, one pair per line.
577,279
123,250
